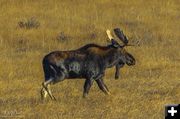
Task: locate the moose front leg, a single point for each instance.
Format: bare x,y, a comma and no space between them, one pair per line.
102,86
87,85
117,73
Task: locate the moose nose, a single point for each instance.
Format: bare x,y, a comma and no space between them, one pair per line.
134,62
131,62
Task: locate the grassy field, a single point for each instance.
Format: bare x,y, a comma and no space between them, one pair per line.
142,90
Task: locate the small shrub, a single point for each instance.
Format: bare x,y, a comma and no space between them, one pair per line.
62,37
93,36
29,23
22,44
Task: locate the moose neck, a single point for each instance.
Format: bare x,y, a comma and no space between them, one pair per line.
111,58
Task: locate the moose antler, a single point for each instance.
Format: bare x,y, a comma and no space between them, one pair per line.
109,34
119,33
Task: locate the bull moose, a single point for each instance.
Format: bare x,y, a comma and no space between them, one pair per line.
88,62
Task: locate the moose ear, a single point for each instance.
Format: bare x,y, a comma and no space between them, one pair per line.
114,43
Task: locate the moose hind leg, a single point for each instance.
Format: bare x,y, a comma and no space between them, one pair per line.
43,93
46,85
102,86
49,91
87,85
44,89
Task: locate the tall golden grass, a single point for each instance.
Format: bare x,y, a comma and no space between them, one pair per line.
141,92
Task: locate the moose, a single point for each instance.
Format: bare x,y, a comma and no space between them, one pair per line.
88,62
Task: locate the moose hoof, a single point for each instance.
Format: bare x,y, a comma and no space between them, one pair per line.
108,93
85,95
116,77
54,99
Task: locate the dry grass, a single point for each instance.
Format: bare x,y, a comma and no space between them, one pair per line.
142,91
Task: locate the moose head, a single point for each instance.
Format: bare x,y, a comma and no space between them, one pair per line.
126,58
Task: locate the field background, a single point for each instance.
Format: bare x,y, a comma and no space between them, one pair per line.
142,90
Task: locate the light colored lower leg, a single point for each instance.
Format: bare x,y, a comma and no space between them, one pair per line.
106,91
50,93
45,93
47,82
48,87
